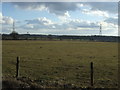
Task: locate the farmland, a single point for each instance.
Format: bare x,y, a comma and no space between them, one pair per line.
62,61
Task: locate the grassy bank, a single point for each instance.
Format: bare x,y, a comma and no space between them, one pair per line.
63,61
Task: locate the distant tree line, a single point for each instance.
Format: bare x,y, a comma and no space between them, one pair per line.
16,36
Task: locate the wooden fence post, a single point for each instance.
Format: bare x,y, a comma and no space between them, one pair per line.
92,78
17,67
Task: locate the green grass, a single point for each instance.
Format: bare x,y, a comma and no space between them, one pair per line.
63,61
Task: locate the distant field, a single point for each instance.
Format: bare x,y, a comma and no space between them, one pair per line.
63,61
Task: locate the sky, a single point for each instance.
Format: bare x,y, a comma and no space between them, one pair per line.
60,18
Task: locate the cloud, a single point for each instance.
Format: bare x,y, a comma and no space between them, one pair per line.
30,5
65,17
83,24
67,14
45,23
111,7
0,18
95,12
58,8
40,21
30,26
112,20
71,24
5,19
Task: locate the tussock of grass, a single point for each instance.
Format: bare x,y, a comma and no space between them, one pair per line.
22,83
18,83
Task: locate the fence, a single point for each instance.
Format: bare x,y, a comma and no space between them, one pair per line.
91,71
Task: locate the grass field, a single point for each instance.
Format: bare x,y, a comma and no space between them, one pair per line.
63,61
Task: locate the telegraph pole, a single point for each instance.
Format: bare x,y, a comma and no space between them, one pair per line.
100,33
13,26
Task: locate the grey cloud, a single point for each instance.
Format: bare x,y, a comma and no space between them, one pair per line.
35,21
112,20
58,8
48,24
39,23
90,26
111,7
83,24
